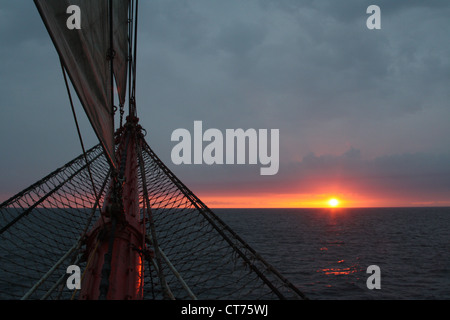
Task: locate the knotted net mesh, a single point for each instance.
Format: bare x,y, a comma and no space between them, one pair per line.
42,230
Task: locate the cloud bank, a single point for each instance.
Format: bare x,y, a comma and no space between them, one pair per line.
366,108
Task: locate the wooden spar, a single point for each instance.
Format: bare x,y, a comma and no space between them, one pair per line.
116,270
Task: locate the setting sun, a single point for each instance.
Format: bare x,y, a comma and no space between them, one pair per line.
333,202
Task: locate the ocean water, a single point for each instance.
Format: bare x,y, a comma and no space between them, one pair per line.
326,252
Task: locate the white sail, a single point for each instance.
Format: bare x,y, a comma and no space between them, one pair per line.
85,52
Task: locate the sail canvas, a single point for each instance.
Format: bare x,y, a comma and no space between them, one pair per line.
86,55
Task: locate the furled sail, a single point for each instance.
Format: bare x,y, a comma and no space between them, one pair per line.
86,55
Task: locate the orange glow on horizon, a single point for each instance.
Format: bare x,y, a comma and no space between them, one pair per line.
282,201
345,198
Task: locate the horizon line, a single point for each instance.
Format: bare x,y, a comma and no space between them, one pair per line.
333,208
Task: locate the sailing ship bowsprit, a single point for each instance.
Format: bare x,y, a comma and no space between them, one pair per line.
117,212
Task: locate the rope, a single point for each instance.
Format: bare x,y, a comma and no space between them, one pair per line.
87,267
106,270
78,128
121,115
133,57
158,253
44,221
49,272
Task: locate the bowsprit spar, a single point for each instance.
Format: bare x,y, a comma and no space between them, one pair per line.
117,212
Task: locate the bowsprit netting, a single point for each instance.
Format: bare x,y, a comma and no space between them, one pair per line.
42,227
197,256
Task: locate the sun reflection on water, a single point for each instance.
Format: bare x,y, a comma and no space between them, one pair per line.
338,271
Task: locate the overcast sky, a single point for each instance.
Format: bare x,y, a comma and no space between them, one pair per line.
359,111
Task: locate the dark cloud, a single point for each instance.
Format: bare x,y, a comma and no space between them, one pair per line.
407,178
309,68
399,173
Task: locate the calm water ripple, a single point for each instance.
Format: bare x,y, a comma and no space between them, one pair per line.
326,252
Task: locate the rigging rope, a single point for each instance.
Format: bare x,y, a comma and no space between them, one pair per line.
43,222
154,238
78,128
87,267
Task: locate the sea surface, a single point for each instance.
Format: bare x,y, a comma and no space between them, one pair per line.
326,252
